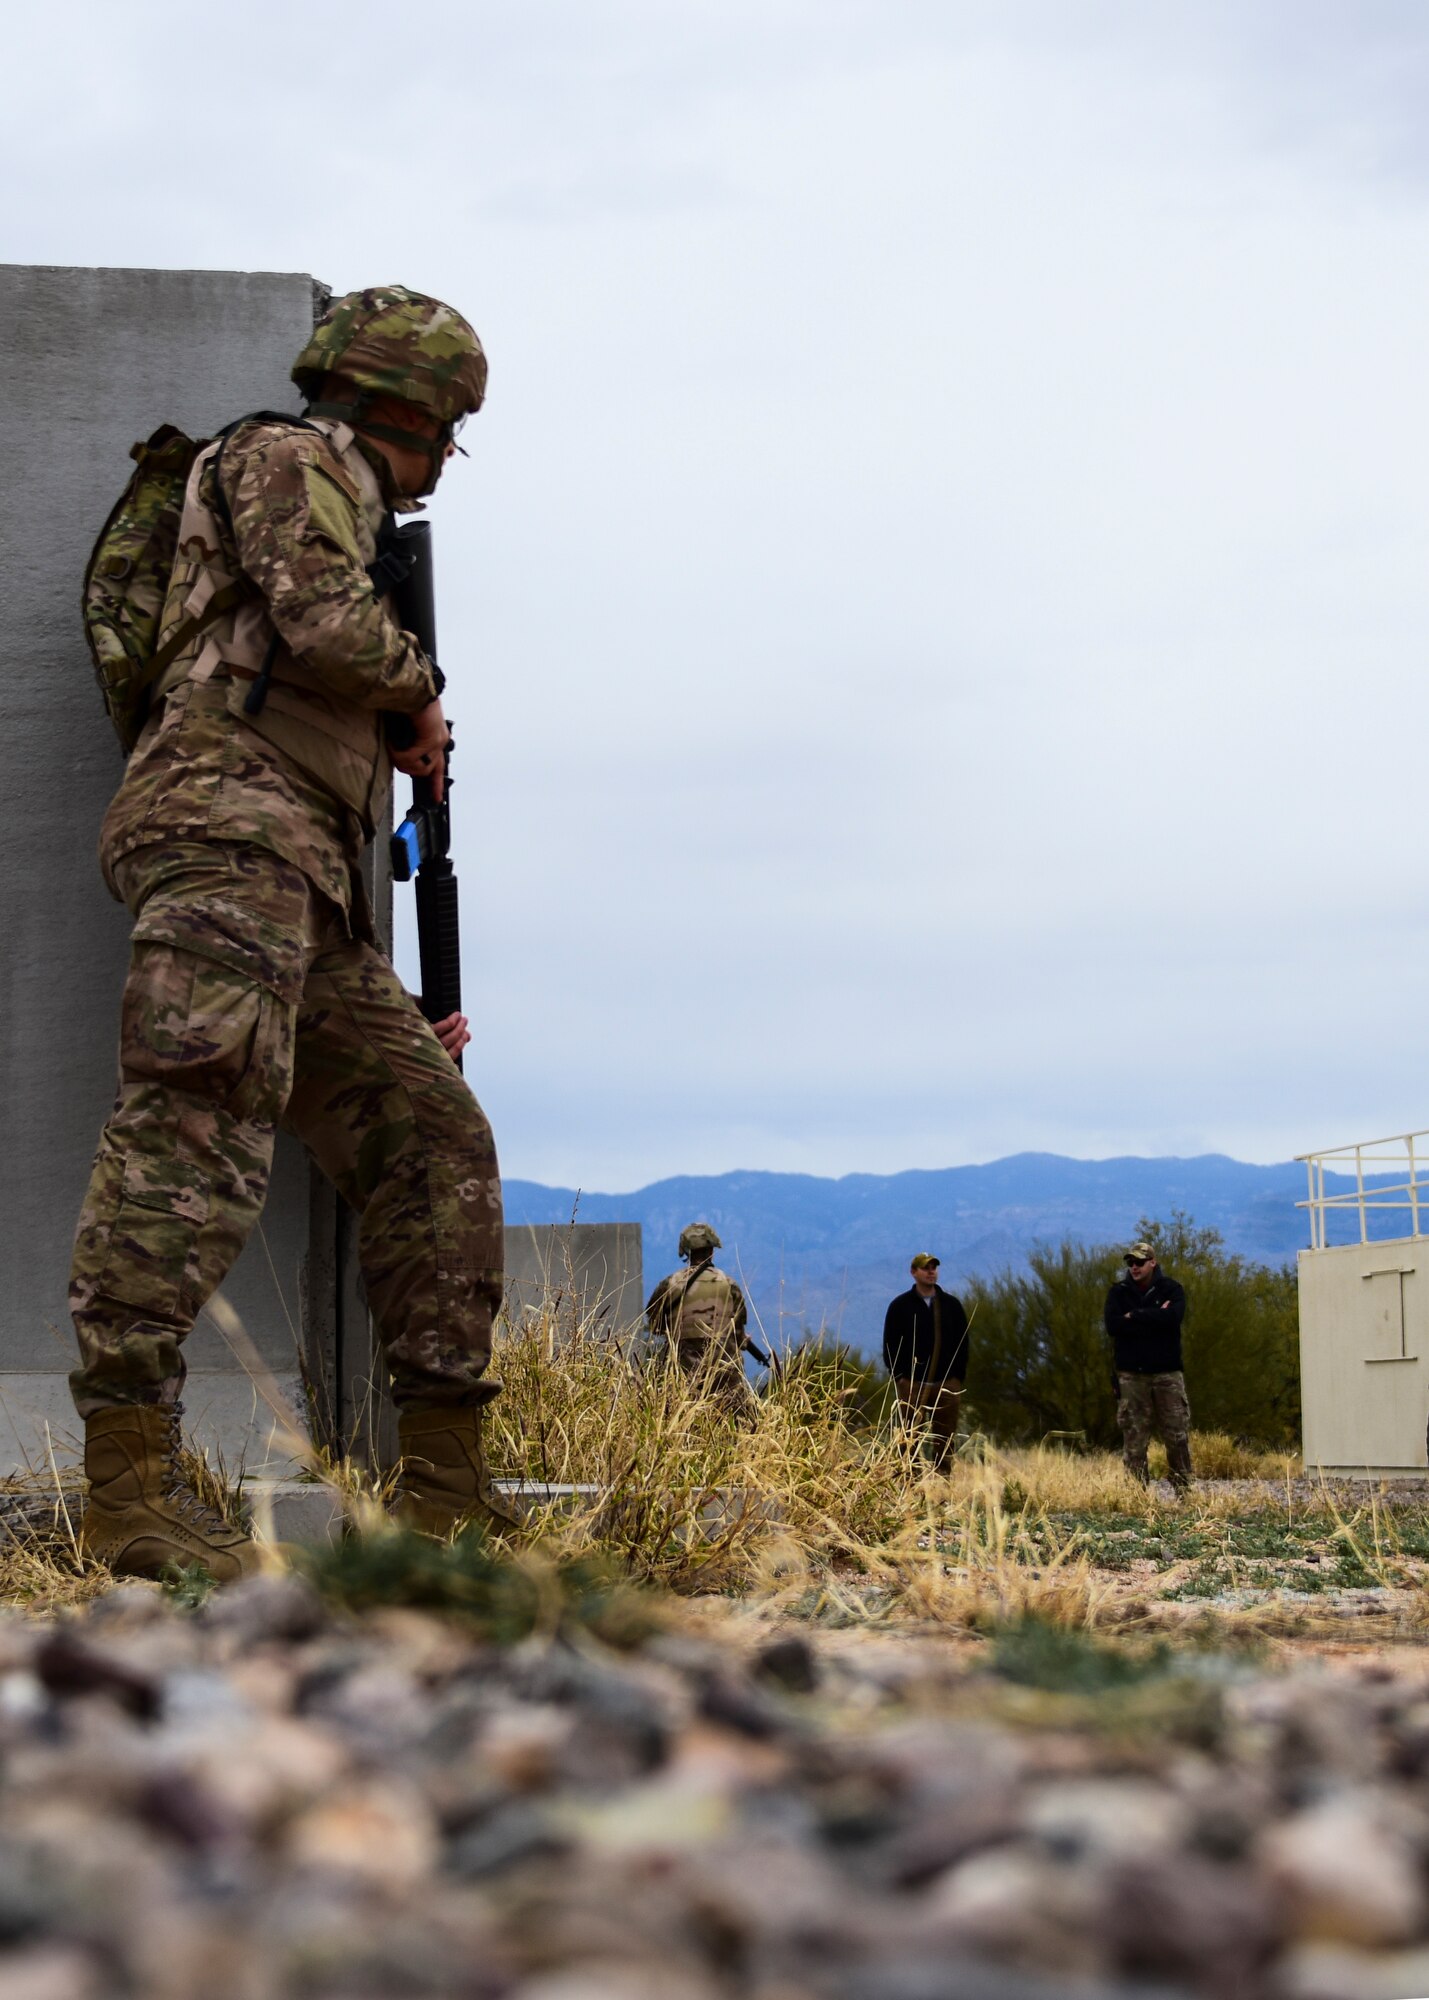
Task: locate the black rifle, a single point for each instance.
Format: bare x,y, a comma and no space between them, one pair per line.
421,843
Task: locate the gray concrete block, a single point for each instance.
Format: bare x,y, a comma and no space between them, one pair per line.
94,359
306,1513
720,1509
583,1274
310,1512
246,1426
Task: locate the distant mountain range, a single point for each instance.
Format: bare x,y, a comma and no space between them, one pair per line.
812,1251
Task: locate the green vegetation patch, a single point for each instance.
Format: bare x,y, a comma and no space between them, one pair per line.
187,1587
1057,1677
503,1599
1259,1550
1033,1653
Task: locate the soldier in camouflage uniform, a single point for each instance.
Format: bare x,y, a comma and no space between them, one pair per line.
701,1315
1144,1311
257,993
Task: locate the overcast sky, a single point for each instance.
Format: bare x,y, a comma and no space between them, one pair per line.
936,613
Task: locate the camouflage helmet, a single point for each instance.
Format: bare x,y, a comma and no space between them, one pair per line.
697,1239
392,342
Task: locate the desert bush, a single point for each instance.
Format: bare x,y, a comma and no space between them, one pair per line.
1042,1359
480,1585
1216,1456
680,1492
832,1372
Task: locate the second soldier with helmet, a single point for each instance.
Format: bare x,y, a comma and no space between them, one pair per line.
699,1314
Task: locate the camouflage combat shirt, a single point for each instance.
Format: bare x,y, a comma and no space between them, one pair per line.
308,778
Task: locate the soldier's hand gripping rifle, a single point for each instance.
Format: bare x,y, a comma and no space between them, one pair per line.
420,845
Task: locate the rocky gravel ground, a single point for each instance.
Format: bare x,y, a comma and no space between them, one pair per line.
265,1797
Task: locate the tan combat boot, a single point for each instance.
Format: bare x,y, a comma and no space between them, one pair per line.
141,1516
445,1477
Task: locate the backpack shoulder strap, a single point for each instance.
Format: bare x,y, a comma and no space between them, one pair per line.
233,593
253,417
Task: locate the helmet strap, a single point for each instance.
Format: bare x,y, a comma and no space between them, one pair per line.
433,449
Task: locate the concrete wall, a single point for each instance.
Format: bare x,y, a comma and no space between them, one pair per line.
589,1274
93,360
1364,1356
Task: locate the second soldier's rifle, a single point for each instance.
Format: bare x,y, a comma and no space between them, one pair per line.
421,844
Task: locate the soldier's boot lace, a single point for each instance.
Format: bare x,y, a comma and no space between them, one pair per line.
446,1481
142,1515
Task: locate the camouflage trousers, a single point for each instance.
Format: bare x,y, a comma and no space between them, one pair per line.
932,1406
716,1368
248,1003
1149,1403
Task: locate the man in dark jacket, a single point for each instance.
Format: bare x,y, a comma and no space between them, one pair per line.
1144,1311
925,1350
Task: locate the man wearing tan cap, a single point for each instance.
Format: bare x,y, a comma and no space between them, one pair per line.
1144,1311
925,1350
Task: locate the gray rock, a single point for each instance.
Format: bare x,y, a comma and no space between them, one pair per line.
788,1663
735,1703
130,1606
1313,1731
1026,1906
280,1605
198,1700
379,1706
1348,1871
624,1724
252,1800
69,1665
940,1977
29,1904
51,1972
1103,1818
516,1832
928,1844
602,1980
23,1702
1335,1972
1177,1916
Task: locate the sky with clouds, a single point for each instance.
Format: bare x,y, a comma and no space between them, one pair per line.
937,607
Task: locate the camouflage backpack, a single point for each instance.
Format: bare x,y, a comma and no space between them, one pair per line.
127,578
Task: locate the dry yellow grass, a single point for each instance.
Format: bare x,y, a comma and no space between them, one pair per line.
813,1505
809,1504
682,1494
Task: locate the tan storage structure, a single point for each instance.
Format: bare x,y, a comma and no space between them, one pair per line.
1364,1309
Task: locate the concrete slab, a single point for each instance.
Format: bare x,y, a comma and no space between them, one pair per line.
310,1512
94,359
720,1508
303,1512
225,1414
589,1275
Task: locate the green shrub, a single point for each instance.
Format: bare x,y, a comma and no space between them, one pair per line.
1042,1359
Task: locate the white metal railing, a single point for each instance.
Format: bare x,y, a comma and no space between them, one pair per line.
1372,1163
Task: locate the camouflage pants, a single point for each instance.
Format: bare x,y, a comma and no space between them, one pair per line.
1148,1403
247,1003
716,1367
